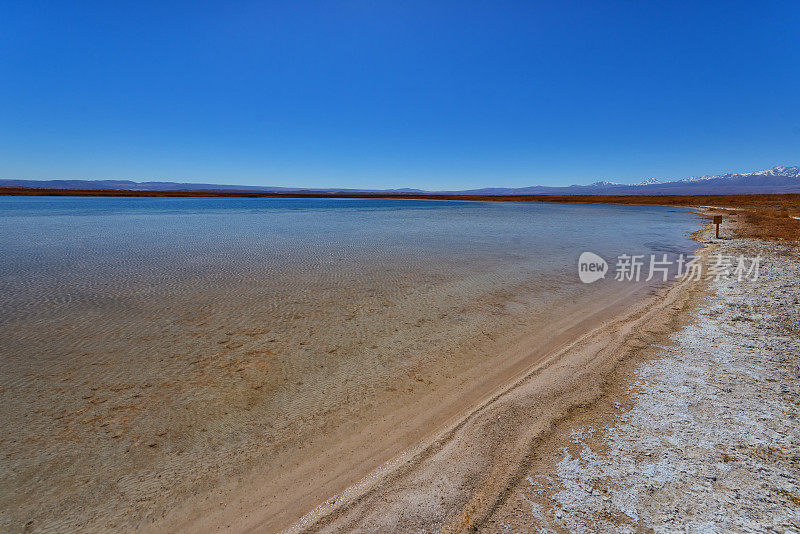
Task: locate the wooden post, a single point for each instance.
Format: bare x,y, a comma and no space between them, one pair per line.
717,221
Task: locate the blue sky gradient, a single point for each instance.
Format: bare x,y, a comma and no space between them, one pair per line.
434,95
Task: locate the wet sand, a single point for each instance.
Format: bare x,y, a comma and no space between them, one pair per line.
364,450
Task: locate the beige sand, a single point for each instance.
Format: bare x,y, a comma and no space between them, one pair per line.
417,443
456,479
393,473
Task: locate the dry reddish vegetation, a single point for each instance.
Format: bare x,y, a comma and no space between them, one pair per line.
764,216
771,225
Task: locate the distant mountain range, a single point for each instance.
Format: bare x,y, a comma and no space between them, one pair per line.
775,180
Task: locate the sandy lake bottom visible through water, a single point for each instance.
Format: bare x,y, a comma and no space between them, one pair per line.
155,353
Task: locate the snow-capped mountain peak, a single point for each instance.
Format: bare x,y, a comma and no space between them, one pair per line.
778,170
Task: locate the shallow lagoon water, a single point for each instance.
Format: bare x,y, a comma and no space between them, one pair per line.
150,347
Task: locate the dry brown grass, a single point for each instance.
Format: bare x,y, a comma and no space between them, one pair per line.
770,225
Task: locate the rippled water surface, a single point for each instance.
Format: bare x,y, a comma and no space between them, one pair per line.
59,253
170,341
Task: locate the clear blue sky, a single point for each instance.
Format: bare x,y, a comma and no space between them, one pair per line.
403,94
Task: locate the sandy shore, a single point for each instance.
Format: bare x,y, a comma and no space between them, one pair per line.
347,463
458,480
703,436
680,415
456,477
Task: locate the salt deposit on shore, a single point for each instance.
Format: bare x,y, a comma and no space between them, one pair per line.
708,439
